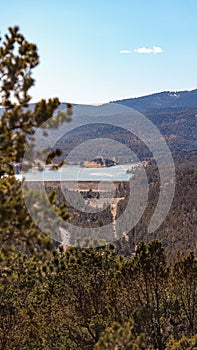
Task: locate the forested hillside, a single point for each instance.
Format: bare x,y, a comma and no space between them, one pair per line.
178,232
163,100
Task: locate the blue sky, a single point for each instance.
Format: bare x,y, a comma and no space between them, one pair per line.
80,44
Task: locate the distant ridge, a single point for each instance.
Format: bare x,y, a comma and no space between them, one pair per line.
162,100
174,113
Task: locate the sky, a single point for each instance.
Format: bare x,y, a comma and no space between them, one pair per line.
96,51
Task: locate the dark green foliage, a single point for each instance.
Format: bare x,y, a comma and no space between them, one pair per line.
182,344
18,58
86,299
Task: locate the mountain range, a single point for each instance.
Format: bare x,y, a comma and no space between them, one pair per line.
174,114
162,100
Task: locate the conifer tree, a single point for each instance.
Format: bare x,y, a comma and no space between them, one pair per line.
18,58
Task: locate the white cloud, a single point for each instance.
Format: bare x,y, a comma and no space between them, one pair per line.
155,50
125,51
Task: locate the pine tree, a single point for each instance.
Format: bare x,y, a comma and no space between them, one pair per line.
18,58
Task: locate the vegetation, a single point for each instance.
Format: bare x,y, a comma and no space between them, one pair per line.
77,298
86,299
18,57
178,231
